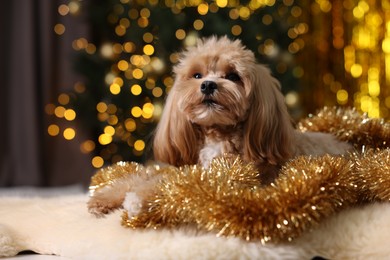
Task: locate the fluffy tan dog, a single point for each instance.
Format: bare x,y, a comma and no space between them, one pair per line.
225,103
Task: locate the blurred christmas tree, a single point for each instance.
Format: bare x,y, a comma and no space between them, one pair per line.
127,62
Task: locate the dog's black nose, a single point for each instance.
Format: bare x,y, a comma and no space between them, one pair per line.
208,87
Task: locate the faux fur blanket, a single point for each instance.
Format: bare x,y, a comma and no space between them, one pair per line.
62,226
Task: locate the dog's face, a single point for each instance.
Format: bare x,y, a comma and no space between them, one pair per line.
212,83
218,83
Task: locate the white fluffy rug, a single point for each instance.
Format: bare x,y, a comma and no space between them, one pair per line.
62,226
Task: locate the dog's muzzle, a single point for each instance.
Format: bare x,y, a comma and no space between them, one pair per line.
208,87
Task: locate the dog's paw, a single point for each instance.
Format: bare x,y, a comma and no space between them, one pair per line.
100,208
105,201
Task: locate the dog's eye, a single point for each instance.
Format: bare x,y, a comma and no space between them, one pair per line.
197,76
233,77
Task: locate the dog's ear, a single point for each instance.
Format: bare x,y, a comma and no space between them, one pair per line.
175,140
268,130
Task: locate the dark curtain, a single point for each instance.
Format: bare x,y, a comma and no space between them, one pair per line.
35,67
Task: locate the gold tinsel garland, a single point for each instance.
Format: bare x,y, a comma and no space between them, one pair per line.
228,199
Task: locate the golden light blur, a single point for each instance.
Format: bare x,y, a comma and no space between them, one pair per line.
97,162
139,145
53,130
69,133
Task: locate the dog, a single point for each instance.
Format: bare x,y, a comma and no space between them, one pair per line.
224,103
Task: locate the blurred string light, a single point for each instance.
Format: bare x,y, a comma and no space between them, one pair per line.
141,69
351,42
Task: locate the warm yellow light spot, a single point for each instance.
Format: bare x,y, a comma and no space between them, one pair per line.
203,8
148,37
387,102
148,49
296,11
59,29
91,48
374,88
111,109
63,9
365,103
115,89
136,60
102,117
87,146
325,6
69,133
150,83
157,92
49,109
157,110
356,70
157,64
79,87
236,30
113,120
139,145
53,130
130,125
145,12
117,48
80,43
298,72
123,65
70,114
59,111
358,12
292,98
147,110
120,30
118,81
180,34
221,3
136,111
386,45
109,130
128,47
133,13
198,24
74,7
342,96
233,14
106,50
105,139
364,6
136,90
138,73
267,19
168,82
63,99
97,161
244,13
143,22
101,107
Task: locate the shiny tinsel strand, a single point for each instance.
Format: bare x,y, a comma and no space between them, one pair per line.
349,125
222,200
373,169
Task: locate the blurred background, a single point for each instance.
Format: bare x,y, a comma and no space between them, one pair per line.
83,82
